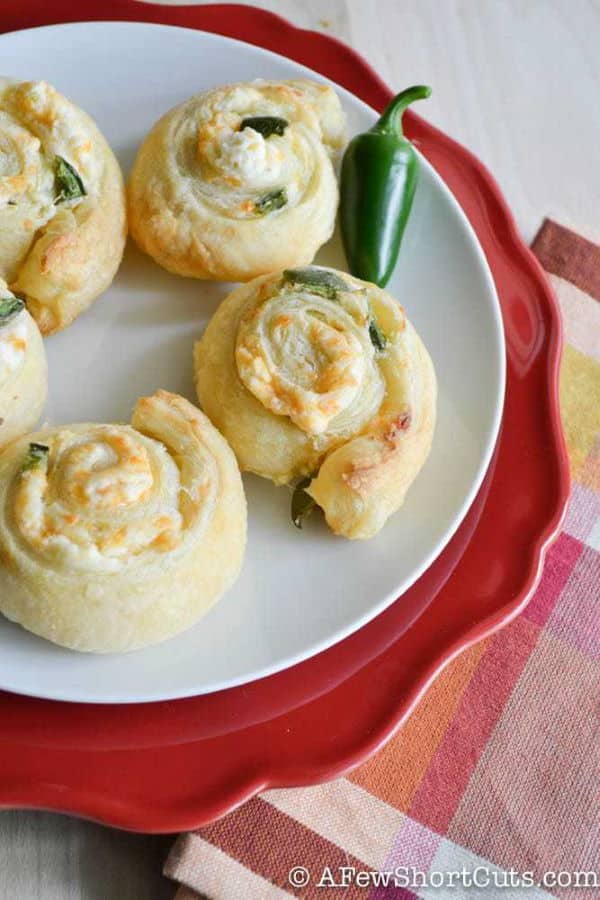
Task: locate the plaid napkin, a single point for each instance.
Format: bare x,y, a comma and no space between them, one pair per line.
497,769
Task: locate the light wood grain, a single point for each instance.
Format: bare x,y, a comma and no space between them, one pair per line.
517,81
52,857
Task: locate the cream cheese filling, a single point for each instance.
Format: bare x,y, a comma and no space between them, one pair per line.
13,347
247,156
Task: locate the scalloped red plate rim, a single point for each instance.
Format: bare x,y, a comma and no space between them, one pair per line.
231,20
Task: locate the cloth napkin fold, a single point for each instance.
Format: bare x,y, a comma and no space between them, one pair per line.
497,768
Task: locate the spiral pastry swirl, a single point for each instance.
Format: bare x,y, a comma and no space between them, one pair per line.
62,203
23,368
239,180
311,372
115,536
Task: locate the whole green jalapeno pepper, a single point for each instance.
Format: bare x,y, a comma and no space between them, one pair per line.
379,178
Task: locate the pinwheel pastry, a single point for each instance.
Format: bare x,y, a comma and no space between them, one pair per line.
115,536
62,203
313,374
23,370
239,181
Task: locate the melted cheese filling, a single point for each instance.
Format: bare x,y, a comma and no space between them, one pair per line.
311,358
20,163
100,499
36,125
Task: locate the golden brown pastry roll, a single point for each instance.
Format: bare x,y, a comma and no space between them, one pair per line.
62,203
310,372
23,369
117,536
239,180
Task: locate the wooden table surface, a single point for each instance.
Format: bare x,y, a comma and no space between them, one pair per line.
517,81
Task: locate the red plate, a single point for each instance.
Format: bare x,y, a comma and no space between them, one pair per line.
176,765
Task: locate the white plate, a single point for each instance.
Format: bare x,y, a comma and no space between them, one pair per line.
299,592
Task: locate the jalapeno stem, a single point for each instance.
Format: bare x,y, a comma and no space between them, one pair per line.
391,118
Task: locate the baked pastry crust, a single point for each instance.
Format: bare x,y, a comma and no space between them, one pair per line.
59,251
23,368
212,197
335,384
119,536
